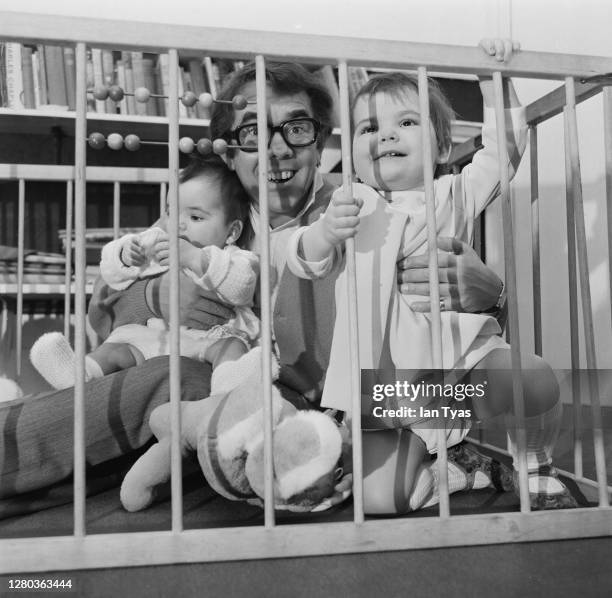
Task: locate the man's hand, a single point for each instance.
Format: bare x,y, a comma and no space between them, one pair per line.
198,308
466,283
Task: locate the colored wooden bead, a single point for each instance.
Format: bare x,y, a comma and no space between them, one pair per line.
142,95
204,146
115,141
239,102
206,100
100,92
186,145
189,99
132,143
219,146
115,93
96,141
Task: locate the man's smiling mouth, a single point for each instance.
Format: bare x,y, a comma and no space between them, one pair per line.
281,176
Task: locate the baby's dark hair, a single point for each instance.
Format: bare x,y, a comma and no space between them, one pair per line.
236,201
284,78
440,111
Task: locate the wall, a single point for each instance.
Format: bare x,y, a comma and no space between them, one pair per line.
578,26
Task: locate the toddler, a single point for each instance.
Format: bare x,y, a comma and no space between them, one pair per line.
213,210
388,220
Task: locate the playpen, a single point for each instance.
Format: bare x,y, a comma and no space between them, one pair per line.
581,77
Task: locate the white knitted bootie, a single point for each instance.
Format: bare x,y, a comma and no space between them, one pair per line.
55,361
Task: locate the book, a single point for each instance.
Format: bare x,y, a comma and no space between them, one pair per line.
14,79
138,81
42,75
181,91
163,66
187,86
70,74
212,73
149,83
27,78
96,59
3,92
91,101
198,83
129,82
120,77
56,77
36,79
159,87
108,73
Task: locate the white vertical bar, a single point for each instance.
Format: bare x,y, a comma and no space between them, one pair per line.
607,118
434,295
79,299
266,306
353,340
585,294
173,225
535,240
162,198
68,273
510,270
116,208
20,266
573,301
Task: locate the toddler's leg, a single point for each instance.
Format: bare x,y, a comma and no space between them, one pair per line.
543,413
399,478
55,360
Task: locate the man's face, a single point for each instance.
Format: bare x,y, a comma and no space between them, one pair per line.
290,170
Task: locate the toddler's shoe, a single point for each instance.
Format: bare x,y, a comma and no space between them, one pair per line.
546,490
472,462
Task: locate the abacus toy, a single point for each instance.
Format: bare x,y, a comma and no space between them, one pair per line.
186,145
143,95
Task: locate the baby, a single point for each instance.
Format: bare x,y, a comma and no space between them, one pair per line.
387,216
213,210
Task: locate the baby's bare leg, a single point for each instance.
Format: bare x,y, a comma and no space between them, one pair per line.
113,357
227,349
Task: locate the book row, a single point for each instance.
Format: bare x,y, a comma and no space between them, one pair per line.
44,77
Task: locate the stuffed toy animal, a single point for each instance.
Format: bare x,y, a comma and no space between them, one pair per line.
226,432
9,389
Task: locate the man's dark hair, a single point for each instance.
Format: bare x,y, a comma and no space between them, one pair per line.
284,78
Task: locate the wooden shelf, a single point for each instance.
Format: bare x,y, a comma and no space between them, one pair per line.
43,122
42,284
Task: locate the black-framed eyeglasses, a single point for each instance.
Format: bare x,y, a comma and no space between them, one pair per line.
297,132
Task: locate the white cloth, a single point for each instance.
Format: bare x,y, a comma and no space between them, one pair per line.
394,226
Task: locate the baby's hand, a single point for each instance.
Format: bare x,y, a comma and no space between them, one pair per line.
160,250
133,254
502,49
341,220
189,255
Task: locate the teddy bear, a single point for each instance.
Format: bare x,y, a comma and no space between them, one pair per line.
225,430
